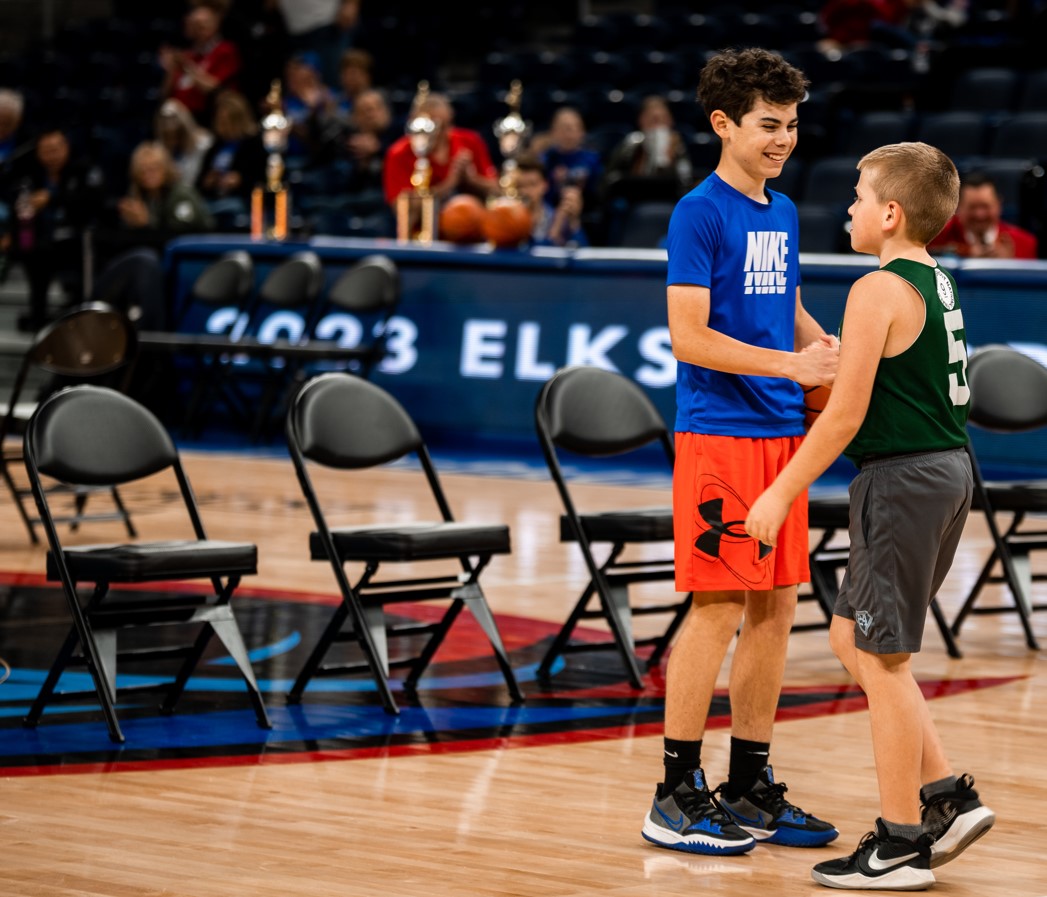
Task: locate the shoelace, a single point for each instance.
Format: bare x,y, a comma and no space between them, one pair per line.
703,805
773,795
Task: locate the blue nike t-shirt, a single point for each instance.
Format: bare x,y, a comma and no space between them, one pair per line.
747,254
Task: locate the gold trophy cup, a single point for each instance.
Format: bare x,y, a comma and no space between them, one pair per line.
270,202
416,208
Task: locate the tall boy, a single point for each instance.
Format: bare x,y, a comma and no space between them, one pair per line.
736,321
898,409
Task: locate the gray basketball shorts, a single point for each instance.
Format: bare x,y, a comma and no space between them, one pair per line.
907,516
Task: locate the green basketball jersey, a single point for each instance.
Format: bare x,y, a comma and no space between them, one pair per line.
920,398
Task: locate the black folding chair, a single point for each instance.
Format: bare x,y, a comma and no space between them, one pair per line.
343,422
95,436
88,342
830,513
1008,395
224,286
596,413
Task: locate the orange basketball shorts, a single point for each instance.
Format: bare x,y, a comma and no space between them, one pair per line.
716,480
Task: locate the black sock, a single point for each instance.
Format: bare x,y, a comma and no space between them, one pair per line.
679,757
748,758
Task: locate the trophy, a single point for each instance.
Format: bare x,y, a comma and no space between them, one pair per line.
269,201
511,132
418,203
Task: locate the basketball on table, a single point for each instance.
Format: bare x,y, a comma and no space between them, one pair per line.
462,219
508,223
814,399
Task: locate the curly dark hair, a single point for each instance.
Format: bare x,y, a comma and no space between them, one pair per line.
733,81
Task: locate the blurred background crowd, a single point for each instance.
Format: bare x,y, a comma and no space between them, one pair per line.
139,121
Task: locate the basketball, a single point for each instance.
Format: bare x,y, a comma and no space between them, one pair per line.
462,219
508,223
814,399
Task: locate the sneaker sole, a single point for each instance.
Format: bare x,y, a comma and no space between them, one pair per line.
790,837
968,829
693,843
904,879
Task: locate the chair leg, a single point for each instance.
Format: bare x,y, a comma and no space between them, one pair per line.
229,634
434,642
79,503
53,675
614,599
119,502
943,626
16,495
662,645
976,590
564,635
316,656
481,611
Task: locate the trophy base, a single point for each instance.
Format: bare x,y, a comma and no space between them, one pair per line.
269,213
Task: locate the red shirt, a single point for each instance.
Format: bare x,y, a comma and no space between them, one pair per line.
221,61
400,159
953,238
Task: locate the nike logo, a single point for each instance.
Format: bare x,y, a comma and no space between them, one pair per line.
878,865
758,822
675,824
672,754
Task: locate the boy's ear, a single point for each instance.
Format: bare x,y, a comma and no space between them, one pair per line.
719,122
893,217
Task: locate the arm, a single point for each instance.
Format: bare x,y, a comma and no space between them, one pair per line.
875,304
694,341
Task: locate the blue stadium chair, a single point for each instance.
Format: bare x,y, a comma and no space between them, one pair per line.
1021,136
990,90
830,181
876,128
960,135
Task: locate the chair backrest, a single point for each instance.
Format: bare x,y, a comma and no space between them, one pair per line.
371,285
88,341
95,436
957,134
1022,136
829,180
1008,390
595,412
339,420
294,283
985,89
226,281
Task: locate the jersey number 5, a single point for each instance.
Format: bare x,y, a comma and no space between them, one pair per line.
959,392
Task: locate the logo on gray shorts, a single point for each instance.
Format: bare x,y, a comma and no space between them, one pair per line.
864,620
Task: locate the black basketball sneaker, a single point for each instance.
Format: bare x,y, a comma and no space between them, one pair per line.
955,820
880,863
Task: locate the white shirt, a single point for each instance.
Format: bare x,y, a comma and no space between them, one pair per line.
301,16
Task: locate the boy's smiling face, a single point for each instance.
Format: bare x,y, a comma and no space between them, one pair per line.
759,146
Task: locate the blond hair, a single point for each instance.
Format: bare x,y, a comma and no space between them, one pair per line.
921,179
151,150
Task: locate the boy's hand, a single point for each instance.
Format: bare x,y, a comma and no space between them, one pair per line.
766,517
816,363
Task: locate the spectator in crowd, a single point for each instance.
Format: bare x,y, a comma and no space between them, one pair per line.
847,24
210,63
656,151
559,225
460,159
306,99
11,107
568,162
366,141
183,138
323,27
235,163
977,230
54,203
157,207
354,76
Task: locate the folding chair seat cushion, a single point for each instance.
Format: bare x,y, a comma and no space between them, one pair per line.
633,525
829,511
1021,497
412,541
144,561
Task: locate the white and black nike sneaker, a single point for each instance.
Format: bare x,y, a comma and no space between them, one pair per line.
955,820
880,863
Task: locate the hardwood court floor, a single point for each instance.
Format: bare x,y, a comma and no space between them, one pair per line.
558,819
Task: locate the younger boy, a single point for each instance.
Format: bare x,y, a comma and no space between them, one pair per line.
898,409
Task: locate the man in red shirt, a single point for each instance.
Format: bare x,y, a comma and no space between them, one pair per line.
193,75
978,231
460,160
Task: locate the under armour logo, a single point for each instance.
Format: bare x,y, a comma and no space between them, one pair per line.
864,620
711,513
